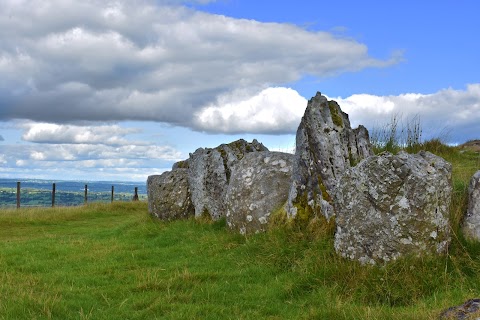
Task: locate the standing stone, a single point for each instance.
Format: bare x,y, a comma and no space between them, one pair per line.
326,146
471,223
169,195
209,172
393,205
259,185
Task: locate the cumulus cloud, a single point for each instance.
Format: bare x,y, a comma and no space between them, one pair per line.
66,61
74,134
273,110
73,151
82,152
71,161
450,114
85,171
1,138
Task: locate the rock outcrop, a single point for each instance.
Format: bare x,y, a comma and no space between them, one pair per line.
326,146
258,186
209,172
169,195
393,205
471,223
469,310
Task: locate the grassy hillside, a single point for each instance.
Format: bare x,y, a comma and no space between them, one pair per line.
113,261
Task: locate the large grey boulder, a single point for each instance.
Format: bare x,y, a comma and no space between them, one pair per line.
169,195
209,172
258,186
326,146
471,223
393,205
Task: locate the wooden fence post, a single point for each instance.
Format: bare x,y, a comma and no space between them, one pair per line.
53,195
112,193
86,194
135,196
18,194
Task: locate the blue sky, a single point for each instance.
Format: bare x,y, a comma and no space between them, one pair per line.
117,90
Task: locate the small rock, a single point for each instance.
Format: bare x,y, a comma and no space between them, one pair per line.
468,310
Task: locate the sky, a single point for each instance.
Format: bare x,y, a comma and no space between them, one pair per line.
120,90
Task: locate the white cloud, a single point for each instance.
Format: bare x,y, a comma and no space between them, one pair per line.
79,152
450,112
65,61
64,172
21,163
73,134
273,110
76,161
83,152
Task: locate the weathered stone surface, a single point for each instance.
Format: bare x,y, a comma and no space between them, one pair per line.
393,205
471,223
259,185
469,310
326,146
209,172
169,195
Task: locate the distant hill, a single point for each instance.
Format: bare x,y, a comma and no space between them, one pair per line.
36,192
472,145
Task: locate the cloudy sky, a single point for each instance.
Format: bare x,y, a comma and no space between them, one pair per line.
119,90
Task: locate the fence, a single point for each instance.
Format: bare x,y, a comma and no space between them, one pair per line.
53,193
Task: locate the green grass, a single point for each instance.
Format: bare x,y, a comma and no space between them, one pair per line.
113,261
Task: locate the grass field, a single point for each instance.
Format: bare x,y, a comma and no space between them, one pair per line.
113,261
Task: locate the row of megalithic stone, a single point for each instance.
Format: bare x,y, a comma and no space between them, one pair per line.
384,206
135,195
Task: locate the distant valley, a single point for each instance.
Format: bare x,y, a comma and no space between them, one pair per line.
68,193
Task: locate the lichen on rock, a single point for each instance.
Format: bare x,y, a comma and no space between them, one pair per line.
393,205
258,187
197,186
169,195
209,174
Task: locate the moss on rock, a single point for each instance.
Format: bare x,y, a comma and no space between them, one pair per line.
336,117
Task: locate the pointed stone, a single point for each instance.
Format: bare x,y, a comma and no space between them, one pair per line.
326,146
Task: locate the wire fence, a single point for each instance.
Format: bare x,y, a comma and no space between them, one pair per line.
32,197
